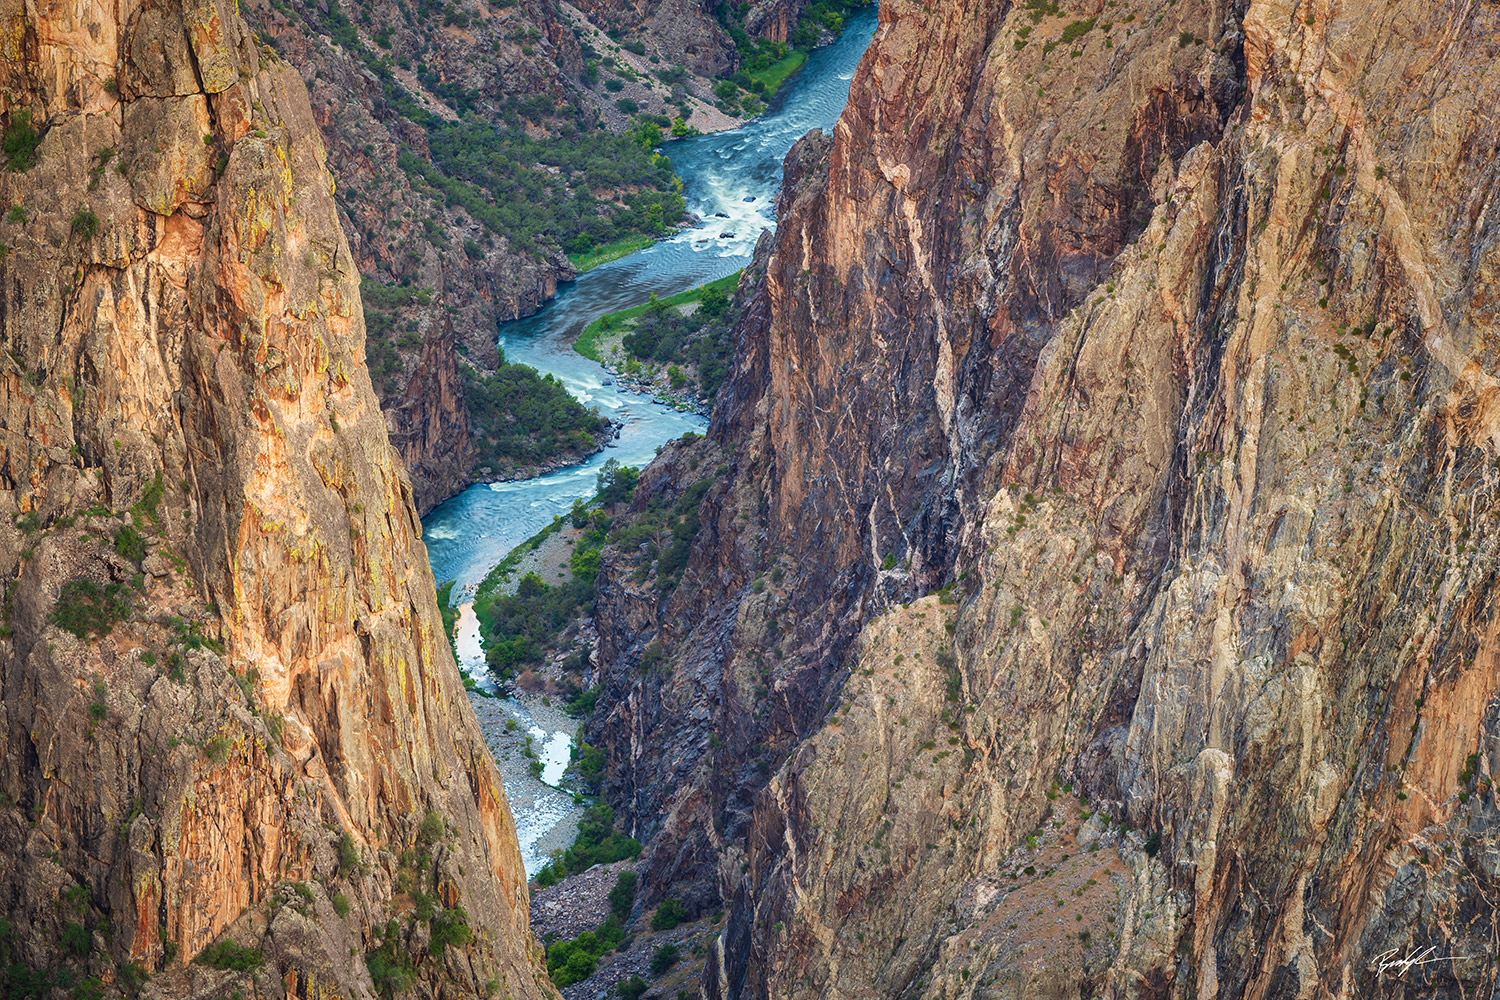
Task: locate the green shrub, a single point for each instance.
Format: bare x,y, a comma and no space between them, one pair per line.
146,506
616,483
216,748
86,609
633,988
78,898
668,915
348,855
85,223
570,962
449,928
713,302
392,971
663,959
132,975
1077,30
76,939
622,896
581,704
228,955
130,544
20,141
341,904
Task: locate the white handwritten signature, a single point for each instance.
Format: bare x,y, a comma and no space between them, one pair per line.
1390,963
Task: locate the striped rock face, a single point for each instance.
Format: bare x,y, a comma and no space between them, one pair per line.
1162,339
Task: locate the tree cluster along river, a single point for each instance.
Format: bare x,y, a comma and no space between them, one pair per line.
730,181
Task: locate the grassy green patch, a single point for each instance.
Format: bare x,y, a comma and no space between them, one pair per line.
228,955
598,844
587,342
607,252
774,75
20,141
87,609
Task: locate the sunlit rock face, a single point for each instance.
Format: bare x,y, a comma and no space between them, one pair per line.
229,709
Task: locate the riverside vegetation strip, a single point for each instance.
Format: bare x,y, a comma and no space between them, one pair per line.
680,346
527,621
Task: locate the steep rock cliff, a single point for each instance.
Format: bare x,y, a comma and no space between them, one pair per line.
1160,338
229,711
401,233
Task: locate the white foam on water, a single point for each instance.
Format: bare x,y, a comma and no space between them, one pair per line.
470,648
548,809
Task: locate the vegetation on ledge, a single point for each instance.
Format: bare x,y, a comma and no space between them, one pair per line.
519,627
587,261
598,844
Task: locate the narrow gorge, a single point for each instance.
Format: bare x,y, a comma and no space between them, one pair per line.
1097,596
1084,585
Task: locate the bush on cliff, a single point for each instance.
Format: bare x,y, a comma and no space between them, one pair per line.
20,141
229,955
86,609
570,962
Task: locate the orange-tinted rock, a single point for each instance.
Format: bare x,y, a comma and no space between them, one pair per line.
186,423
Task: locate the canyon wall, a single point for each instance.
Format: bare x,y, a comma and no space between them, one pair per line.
230,716
399,232
1096,596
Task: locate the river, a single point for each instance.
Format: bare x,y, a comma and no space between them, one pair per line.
730,180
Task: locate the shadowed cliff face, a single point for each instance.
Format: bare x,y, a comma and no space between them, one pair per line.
1163,337
223,667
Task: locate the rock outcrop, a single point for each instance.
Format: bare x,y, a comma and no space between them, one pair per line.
682,31
230,717
1116,424
399,232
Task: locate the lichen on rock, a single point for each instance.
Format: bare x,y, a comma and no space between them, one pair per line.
232,727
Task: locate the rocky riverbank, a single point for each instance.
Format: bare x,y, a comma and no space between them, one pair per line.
526,734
